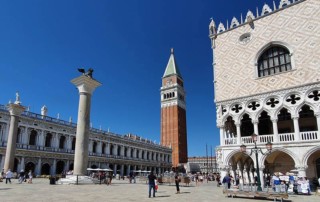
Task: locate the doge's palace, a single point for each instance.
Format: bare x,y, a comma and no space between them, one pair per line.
266,68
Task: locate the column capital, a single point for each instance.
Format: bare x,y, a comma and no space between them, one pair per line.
15,109
85,84
301,167
237,124
274,120
221,126
294,117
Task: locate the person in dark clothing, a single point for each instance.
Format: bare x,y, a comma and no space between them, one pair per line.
21,176
177,180
152,185
227,181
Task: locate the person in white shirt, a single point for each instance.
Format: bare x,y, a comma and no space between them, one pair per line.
8,176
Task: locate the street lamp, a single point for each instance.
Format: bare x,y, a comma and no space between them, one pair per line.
256,150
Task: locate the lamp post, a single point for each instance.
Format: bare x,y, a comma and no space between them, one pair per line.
256,150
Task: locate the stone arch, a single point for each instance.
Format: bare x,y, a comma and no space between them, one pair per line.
118,150
15,164
277,111
19,136
269,45
230,127
30,166
231,155
284,122
280,149
62,142
306,156
299,107
73,144
60,167
33,137
111,149
246,126
45,169
94,147
48,140
308,120
265,126
224,119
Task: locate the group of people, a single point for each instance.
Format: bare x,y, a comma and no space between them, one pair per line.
278,182
22,176
153,185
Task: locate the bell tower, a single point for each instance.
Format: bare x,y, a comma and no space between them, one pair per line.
173,113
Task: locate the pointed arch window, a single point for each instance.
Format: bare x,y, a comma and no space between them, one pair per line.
274,60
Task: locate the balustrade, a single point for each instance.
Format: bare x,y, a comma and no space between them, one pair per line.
286,137
246,140
265,138
230,141
310,135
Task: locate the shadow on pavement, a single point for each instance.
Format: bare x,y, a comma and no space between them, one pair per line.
5,188
259,198
162,196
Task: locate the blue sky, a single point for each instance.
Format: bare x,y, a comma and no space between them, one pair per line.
127,43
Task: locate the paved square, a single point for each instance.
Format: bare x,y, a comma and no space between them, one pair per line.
120,190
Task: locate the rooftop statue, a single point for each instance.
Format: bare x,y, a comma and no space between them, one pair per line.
88,73
18,102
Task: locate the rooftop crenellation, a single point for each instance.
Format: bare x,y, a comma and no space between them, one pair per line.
250,17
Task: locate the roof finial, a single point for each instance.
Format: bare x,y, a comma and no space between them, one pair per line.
171,50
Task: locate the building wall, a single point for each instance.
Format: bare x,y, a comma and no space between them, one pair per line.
235,62
122,153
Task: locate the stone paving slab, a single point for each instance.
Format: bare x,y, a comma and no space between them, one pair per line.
120,190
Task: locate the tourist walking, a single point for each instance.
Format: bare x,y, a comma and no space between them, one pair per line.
177,180
30,177
21,176
8,176
152,185
226,182
2,175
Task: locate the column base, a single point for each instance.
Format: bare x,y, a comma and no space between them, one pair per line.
74,179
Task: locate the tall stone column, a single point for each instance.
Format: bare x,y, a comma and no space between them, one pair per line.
15,111
238,133
318,123
86,85
275,130
221,135
296,128
255,127
38,167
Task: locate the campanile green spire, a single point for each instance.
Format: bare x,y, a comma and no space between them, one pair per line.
172,67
